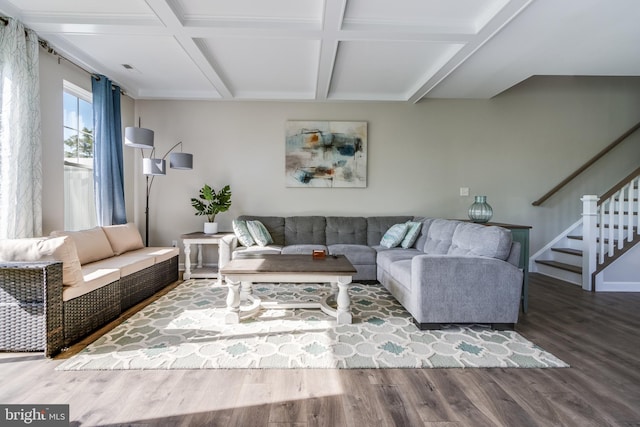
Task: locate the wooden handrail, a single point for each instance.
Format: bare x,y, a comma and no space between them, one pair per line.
618,186
582,168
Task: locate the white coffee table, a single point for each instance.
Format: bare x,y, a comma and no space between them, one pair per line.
241,273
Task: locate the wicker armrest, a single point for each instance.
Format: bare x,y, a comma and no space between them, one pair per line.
31,311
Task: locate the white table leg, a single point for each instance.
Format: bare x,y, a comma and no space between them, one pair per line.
199,255
343,313
187,262
246,290
233,303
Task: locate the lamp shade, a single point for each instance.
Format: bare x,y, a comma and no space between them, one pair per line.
181,161
138,137
151,166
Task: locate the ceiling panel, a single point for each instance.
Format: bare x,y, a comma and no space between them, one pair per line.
386,70
466,16
160,65
264,68
115,7
249,10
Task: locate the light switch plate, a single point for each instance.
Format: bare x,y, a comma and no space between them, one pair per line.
464,191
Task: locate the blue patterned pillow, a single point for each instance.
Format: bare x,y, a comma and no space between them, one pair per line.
259,233
413,231
394,235
242,233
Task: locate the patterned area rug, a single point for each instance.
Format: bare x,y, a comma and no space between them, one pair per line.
185,330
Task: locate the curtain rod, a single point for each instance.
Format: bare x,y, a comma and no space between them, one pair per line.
50,50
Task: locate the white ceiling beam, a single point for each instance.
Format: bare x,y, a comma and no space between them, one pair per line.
170,19
332,23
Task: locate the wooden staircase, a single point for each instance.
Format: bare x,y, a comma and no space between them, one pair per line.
607,231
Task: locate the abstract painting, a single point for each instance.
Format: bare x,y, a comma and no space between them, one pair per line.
326,154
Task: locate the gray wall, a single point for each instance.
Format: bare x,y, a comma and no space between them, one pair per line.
512,148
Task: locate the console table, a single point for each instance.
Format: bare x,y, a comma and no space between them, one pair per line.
199,238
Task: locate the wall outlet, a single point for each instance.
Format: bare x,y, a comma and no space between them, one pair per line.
464,191
174,243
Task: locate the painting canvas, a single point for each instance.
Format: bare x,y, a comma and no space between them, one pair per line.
326,154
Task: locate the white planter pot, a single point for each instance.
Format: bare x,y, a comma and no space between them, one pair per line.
210,227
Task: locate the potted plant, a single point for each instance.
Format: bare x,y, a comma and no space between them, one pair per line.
210,204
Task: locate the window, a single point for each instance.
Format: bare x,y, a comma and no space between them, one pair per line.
79,203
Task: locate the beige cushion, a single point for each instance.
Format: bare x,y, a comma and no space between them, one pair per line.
123,238
92,245
95,276
46,249
159,254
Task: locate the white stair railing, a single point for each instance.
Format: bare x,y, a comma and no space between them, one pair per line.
607,225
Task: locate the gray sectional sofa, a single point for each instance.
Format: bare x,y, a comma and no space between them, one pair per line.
455,272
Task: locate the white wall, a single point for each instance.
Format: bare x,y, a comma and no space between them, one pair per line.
52,75
512,148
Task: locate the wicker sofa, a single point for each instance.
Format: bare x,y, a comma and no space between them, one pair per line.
56,290
454,271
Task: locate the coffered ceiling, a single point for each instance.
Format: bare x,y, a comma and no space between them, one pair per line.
364,50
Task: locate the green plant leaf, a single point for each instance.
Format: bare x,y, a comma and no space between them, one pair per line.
212,202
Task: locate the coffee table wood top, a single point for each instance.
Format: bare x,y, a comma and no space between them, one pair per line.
259,264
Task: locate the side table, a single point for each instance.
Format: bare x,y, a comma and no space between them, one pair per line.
200,238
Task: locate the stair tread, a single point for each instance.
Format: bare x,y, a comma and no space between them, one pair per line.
570,251
561,265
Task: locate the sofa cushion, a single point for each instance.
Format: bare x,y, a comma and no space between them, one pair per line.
158,254
394,235
259,233
305,230
94,276
303,249
127,264
439,236
241,231
92,245
123,237
388,257
351,230
424,231
273,224
46,249
481,240
401,271
413,232
377,226
256,250
356,254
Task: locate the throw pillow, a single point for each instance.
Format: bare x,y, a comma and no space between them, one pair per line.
123,238
394,235
413,231
242,233
46,249
259,233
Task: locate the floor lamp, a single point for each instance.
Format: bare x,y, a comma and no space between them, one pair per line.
137,137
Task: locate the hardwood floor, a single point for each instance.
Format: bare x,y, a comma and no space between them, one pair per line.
597,334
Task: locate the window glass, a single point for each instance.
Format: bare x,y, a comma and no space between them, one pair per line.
79,203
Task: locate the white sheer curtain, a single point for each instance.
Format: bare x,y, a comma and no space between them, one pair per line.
20,146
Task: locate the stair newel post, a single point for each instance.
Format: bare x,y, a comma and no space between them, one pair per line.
589,239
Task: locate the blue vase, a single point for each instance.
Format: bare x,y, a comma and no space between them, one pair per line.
480,211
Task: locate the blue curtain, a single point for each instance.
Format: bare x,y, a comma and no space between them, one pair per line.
108,169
